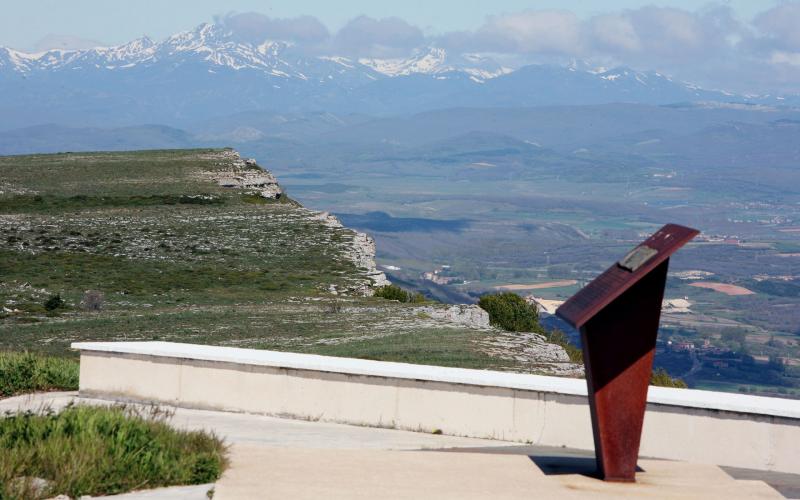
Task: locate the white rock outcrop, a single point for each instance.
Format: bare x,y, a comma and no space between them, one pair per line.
246,175
531,349
361,252
469,315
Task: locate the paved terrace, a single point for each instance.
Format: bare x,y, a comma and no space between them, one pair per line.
305,426
283,458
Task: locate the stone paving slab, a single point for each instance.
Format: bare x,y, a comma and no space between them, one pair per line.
264,472
195,492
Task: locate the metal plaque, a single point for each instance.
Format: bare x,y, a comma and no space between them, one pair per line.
636,258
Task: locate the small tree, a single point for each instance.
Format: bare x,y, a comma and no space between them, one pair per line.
511,312
394,292
54,302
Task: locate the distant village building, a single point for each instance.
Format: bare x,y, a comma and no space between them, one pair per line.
435,276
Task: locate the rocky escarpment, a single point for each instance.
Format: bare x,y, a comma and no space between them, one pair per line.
361,252
245,174
531,350
248,176
526,348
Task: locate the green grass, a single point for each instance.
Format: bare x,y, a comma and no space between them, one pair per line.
440,348
85,450
131,173
140,279
38,203
26,372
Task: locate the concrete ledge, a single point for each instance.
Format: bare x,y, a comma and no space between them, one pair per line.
698,426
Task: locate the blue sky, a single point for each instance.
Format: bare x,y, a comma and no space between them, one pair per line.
24,23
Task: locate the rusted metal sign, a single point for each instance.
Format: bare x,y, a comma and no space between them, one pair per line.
617,315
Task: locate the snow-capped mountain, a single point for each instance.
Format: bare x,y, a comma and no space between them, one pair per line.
217,48
209,72
207,45
436,61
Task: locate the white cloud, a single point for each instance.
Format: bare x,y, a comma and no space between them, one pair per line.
257,28
789,58
542,31
780,26
710,45
387,37
615,33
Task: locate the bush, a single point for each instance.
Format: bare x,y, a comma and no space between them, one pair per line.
54,302
25,372
394,292
661,378
85,450
511,312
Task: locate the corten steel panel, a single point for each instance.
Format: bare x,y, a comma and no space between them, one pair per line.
615,280
618,315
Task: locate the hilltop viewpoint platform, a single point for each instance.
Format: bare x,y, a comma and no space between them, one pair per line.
699,427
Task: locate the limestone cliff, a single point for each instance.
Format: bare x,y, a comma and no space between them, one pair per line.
361,252
247,175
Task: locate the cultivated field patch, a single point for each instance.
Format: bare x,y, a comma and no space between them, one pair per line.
725,288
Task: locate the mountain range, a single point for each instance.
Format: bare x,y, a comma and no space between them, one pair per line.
208,72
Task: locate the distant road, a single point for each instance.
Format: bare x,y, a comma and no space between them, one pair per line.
537,286
696,366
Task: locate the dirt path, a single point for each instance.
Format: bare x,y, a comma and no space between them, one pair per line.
537,286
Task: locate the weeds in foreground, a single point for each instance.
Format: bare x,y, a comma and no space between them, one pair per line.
22,372
89,450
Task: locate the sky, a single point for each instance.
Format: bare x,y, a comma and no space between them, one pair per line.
739,45
24,23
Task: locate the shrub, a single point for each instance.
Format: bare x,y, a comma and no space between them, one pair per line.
54,302
661,378
394,292
511,312
22,372
93,300
85,450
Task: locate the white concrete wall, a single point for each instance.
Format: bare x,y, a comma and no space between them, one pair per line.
698,426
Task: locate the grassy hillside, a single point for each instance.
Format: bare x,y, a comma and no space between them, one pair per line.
148,245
